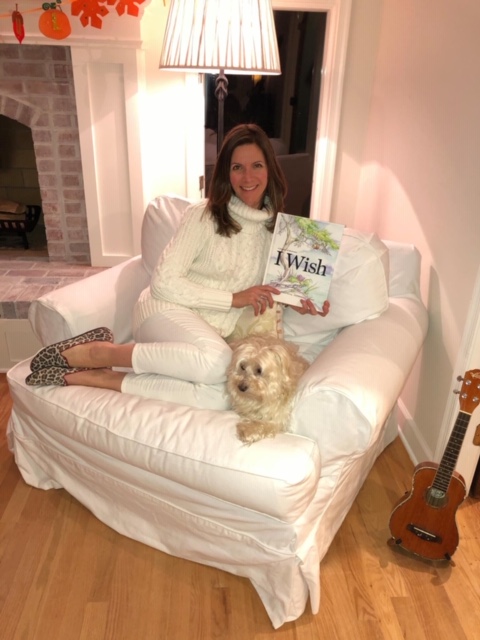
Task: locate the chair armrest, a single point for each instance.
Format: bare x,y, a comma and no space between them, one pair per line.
348,392
104,299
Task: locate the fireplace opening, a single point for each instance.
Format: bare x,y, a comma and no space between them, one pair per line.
37,92
22,226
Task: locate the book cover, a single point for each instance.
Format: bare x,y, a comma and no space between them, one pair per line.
302,258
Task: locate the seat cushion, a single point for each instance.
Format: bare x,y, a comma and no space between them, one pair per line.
197,448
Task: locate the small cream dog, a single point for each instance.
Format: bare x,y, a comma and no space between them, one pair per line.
261,381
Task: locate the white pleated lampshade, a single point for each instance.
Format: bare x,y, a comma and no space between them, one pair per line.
236,36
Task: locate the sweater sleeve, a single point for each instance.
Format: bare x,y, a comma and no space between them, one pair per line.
170,281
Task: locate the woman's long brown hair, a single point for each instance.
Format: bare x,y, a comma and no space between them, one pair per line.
220,190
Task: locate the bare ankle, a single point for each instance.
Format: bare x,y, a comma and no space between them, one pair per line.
99,378
89,355
96,355
99,354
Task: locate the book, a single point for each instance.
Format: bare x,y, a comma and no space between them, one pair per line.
302,259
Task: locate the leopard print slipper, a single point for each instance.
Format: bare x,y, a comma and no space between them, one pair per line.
51,356
51,376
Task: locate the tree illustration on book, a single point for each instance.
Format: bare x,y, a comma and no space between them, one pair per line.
302,257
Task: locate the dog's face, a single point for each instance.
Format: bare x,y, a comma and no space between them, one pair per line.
264,373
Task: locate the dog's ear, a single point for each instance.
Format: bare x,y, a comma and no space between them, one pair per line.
297,369
286,355
281,353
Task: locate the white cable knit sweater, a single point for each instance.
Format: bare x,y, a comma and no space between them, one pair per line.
201,270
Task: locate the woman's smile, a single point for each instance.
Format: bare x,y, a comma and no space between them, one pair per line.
249,175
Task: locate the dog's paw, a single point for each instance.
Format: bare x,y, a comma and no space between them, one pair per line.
253,431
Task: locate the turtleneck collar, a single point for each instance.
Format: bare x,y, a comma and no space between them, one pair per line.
239,209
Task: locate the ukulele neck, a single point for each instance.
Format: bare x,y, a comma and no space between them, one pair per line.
452,451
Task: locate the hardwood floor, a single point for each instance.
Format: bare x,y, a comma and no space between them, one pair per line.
66,576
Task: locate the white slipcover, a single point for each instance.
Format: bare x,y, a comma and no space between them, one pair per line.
176,477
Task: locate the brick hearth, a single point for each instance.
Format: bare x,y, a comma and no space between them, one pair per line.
23,281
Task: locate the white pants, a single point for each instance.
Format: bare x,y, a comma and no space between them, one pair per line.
179,357
191,394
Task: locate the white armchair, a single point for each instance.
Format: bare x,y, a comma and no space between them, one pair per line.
176,477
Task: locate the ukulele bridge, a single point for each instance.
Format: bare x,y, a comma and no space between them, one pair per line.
428,536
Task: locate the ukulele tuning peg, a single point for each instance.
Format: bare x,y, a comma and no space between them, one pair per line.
460,378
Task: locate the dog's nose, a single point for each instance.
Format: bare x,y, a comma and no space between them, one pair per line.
243,387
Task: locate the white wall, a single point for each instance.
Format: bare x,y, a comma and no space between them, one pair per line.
407,168
173,117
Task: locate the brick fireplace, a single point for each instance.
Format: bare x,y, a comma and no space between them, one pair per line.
37,90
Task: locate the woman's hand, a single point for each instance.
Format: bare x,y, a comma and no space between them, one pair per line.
309,307
259,297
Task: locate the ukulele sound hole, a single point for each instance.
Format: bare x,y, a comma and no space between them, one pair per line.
436,497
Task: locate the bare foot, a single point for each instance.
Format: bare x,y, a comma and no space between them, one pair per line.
99,378
88,354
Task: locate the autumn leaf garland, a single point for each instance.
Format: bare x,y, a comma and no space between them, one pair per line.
90,13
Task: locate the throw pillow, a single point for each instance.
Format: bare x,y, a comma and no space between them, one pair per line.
359,291
160,223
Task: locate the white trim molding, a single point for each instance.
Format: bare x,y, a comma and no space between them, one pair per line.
107,87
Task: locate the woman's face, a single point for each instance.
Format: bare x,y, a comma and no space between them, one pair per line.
249,174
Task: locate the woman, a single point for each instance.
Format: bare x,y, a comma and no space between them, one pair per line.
204,279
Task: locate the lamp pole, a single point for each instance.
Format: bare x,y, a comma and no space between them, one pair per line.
221,93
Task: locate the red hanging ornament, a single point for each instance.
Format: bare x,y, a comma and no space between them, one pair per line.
18,28
53,23
91,12
128,5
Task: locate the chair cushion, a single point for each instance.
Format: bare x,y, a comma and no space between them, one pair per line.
131,438
160,223
359,291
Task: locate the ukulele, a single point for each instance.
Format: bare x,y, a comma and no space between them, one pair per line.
423,521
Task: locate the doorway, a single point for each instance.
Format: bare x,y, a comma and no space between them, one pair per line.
285,106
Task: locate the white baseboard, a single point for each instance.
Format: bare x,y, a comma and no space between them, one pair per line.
411,436
17,342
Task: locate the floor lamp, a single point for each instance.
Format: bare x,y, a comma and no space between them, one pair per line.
221,36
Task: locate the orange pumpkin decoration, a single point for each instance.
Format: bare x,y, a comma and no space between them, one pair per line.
53,23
